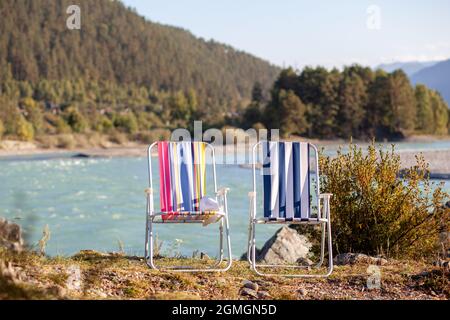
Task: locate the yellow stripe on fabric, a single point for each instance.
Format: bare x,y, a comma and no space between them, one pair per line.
177,176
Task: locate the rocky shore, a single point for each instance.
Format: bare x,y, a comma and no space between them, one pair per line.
94,275
89,274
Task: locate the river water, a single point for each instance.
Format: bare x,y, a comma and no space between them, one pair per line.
99,203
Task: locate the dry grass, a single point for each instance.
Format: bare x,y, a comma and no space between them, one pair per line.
114,276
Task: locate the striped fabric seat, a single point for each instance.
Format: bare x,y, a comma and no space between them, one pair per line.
286,181
182,168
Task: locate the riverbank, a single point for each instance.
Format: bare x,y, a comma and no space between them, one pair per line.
94,275
437,158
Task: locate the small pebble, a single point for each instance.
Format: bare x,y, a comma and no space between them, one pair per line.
250,285
263,295
249,292
303,292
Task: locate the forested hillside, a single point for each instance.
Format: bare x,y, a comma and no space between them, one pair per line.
119,60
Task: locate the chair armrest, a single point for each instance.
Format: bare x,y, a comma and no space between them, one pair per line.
326,197
222,191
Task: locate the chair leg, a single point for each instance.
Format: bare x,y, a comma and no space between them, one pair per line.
149,251
330,258
322,246
249,243
221,241
230,256
220,259
149,243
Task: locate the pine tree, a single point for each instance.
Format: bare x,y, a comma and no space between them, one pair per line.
425,115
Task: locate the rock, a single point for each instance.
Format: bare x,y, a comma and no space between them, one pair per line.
204,256
73,281
303,292
97,293
286,246
249,293
56,291
441,263
358,258
263,295
10,236
90,254
305,262
9,273
250,285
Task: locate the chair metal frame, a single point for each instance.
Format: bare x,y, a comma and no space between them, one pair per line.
323,220
151,218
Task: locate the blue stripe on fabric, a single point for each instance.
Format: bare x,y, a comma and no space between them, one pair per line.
309,182
281,180
184,177
266,179
296,173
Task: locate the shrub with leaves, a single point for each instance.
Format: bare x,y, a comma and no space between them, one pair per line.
377,208
2,129
24,130
76,120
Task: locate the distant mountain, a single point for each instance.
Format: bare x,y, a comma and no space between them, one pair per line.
436,77
409,68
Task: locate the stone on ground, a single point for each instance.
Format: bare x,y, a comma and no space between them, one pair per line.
287,246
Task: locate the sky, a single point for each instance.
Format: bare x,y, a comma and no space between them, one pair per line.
329,33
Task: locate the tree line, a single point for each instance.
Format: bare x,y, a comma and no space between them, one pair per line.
56,107
355,102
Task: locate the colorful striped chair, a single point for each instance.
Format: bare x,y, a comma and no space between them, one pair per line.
182,186
291,195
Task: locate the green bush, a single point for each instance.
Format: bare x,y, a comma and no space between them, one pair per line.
103,124
24,130
2,129
34,114
374,211
127,122
75,120
153,135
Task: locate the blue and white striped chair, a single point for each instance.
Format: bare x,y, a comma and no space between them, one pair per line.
291,195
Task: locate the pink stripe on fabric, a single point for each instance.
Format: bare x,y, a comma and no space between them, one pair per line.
165,184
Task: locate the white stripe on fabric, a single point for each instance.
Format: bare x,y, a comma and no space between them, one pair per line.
274,176
189,163
289,178
304,181
173,182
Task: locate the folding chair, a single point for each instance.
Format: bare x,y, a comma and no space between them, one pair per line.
287,197
182,172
